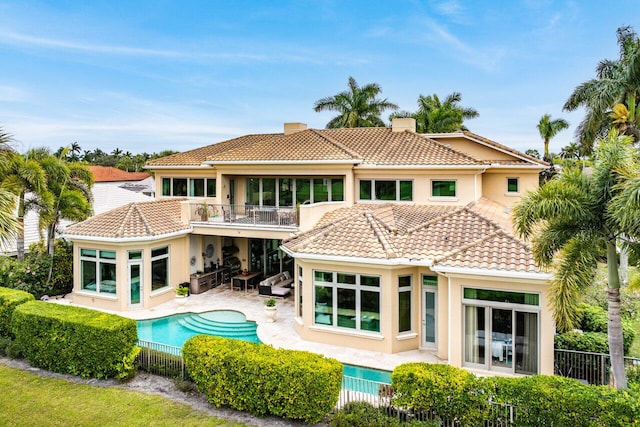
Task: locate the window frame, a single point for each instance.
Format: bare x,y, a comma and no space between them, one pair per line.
455,195
97,260
513,193
168,272
169,180
404,289
373,190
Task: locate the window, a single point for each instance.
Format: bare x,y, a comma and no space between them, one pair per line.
98,271
179,187
501,330
347,300
512,185
211,187
159,268
299,291
166,186
443,188
288,192
429,310
320,190
189,187
337,190
386,190
196,187
404,304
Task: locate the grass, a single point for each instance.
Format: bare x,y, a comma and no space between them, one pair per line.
27,399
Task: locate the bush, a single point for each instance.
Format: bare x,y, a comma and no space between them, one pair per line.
31,275
363,414
594,342
75,340
448,392
261,379
595,319
9,300
558,401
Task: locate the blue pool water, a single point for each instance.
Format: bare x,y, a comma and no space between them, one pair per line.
174,330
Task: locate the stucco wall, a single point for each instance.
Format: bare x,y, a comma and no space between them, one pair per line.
494,184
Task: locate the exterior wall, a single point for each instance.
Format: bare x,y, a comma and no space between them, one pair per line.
185,173
474,149
466,184
494,184
546,324
178,273
310,214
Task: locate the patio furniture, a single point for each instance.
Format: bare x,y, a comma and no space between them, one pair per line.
245,281
278,285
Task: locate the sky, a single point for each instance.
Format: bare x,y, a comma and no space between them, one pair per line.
147,76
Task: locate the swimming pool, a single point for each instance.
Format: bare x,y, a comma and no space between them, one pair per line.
176,329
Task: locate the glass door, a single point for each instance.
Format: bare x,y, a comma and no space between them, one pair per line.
135,282
428,317
526,343
474,335
502,339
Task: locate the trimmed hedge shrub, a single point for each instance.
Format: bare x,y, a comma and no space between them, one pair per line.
263,380
594,323
9,300
448,392
75,340
558,401
364,414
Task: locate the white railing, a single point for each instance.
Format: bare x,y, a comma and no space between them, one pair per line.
249,215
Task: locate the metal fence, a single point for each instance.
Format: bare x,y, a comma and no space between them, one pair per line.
590,368
247,214
161,359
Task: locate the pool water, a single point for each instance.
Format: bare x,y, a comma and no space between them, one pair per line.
176,329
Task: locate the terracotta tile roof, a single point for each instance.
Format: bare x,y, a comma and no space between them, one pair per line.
472,236
110,174
504,148
197,156
138,219
369,146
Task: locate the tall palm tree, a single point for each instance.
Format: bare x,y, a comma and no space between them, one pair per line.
23,175
571,224
616,82
9,224
548,129
436,116
357,107
70,186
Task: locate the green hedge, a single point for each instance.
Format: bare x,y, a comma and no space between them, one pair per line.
594,324
263,380
448,392
558,401
9,300
364,414
75,340
456,395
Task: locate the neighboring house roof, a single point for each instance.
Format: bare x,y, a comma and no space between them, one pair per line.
365,146
110,174
134,220
471,236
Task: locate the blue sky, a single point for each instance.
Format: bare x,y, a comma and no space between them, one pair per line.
155,75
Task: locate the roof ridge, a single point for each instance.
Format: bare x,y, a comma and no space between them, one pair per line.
381,237
490,221
143,218
127,215
322,229
467,246
438,218
337,144
503,147
447,147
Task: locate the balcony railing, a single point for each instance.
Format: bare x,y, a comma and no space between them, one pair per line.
249,215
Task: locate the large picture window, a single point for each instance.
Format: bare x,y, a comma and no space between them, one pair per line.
288,192
159,268
386,190
347,300
98,271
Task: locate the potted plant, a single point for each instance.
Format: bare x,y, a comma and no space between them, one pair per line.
204,210
181,295
270,309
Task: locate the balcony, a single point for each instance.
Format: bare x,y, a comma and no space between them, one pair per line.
247,215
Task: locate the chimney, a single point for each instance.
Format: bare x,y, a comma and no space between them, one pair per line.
290,128
401,124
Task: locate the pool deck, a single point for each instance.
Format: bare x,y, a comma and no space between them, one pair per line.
280,333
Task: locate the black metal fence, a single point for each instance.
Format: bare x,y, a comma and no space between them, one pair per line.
590,368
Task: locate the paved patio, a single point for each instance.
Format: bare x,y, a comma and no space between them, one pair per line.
281,333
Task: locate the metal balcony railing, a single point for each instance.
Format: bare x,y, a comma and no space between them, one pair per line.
281,216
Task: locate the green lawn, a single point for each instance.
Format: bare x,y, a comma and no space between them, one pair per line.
27,399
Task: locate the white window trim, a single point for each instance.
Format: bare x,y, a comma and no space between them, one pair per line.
189,180
402,289
294,188
167,255
97,260
512,193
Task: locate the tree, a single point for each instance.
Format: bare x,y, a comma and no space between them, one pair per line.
435,116
357,107
9,224
571,223
616,82
533,153
548,129
23,175
70,187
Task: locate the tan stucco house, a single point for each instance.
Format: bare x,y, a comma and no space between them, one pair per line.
394,240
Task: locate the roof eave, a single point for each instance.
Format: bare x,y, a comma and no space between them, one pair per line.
201,166
512,274
354,259
126,239
283,162
372,166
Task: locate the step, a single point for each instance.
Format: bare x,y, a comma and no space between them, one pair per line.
217,330
217,326
205,321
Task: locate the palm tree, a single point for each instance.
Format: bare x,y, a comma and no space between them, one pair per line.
9,225
21,175
616,82
570,223
435,116
70,185
358,106
548,129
